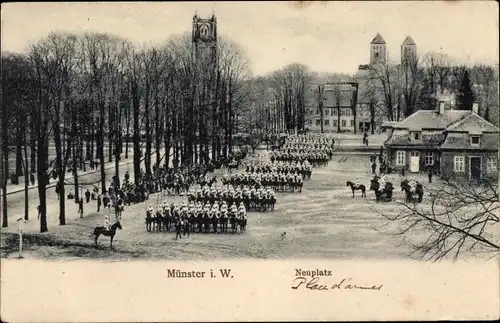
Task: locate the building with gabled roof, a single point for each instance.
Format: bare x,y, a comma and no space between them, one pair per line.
450,142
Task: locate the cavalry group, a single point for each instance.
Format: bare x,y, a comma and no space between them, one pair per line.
383,189
212,208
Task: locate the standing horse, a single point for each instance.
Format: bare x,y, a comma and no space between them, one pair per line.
111,233
410,196
383,194
243,223
118,211
354,188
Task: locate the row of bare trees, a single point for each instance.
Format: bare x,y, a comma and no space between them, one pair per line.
398,90
78,94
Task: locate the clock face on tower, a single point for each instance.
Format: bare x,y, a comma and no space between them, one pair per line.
205,31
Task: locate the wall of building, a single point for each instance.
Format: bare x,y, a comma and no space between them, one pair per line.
423,166
448,161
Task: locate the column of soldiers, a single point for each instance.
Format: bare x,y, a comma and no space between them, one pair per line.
197,217
281,176
253,198
315,149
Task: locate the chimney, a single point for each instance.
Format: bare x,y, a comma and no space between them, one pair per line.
441,107
475,107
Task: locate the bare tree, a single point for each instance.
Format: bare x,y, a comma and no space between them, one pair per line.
320,96
337,98
383,77
459,217
410,75
486,87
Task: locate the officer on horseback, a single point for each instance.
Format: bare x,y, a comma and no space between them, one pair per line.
107,224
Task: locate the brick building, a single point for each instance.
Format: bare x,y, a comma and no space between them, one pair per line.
452,142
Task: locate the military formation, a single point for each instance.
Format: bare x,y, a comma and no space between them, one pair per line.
197,217
315,149
215,207
278,175
254,199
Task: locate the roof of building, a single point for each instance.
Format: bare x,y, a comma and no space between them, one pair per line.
344,95
378,39
450,130
388,124
408,41
456,140
431,119
401,137
473,123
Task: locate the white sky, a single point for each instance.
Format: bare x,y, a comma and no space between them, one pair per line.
331,37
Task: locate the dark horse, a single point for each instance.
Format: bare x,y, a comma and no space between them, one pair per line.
230,165
354,188
383,194
111,233
419,191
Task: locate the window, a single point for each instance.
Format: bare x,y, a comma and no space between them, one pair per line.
376,54
491,164
343,123
327,122
342,112
327,112
334,123
459,164
429,159
352,123
317,111
415,135
334,112
475,140
400,157
348,112
318,122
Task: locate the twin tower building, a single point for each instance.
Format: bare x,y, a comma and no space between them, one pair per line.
378,50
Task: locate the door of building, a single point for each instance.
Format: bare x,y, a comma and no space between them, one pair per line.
415,162
475,167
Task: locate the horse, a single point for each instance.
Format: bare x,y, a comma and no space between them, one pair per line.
230,165
233,220
108,233
385,194
118,211
186,228
354,188
178,229
149,220
223,221
243,224
419,191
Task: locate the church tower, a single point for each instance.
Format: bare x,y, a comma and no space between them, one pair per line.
408,51
378,50
204,38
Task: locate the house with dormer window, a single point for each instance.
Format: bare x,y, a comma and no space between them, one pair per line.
451,142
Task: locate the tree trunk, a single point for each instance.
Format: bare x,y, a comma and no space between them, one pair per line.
26,178
372,118
60,163
147,159
338,118
42,160
100,143
137,147
32,148
19,155
5,168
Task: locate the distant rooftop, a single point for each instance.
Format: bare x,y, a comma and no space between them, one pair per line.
431,119
409,41
378,39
